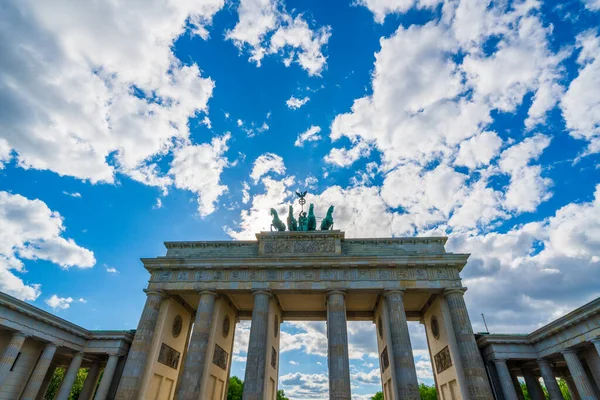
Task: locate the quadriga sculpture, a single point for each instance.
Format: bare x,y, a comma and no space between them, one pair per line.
276,223
312,221
327,223
292,224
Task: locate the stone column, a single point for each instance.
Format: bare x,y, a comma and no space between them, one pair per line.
572,389
533,385
549,380
133,373
474,371
337,346
39,373
508,388
256,361
90,382
10,354
596,342
517,385
107,377
70,376
583,384
404,363
46,382
195,358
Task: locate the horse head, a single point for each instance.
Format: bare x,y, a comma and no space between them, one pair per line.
330,211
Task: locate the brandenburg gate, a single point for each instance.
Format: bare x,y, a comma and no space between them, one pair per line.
184,341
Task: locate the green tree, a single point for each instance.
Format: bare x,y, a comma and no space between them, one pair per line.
564,389
281,395
57,379
235,389
426,392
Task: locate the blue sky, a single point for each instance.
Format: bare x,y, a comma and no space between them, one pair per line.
125,124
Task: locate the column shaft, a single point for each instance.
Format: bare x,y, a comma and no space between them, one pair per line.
583,384
39,373
133,373
10,354
596,343
46,382
549,380
517,385
404,363
107,377
572,389
508,388
89,385
533,385
256,362
70,376
474,371
337,347
196,355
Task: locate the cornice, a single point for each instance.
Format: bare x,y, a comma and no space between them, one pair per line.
435,260
566,321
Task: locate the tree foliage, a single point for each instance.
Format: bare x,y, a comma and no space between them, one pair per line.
235,389
425,391
281,395
561,384
57,379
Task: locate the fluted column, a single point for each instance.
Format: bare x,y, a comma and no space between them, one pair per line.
256,362
135,366
517,385
404,363
533,384
596,342
10,354
46,382
508,388
107,376
39,373
572,389
549,380
473,369
195,359
337,346
89,385
583,384
70,376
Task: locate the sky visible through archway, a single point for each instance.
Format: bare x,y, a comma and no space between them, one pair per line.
124,124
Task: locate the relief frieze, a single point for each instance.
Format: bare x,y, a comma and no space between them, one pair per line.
308,274
299,247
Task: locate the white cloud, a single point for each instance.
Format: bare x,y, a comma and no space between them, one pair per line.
30,230
73,194
592,5
266,163
581,103
527,188
110,270
479,150
294,103
72,105
198,168
245,192
381,8
343,157
82,300
310,135
291,36
59,303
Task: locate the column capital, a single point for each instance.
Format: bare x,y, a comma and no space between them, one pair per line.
342,292
20,334
499,359
262,291
387,293
209,292
153,292
456,290
595,340
569,351
543,361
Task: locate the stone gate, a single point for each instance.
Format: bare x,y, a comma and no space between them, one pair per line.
197,292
